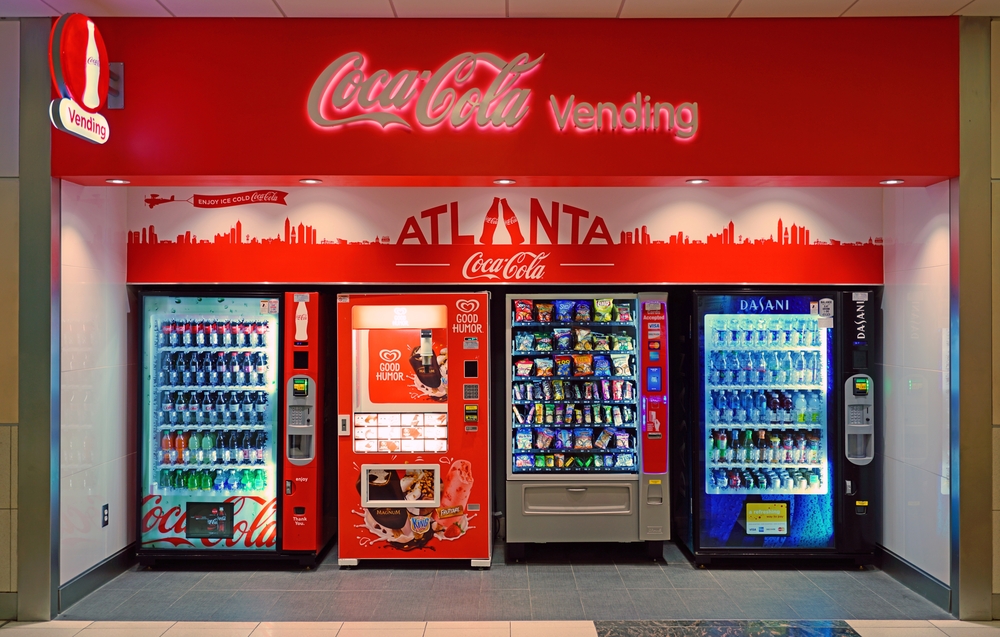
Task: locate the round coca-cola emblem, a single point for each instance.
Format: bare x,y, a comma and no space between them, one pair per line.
78,61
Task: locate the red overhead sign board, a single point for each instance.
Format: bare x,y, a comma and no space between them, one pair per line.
555,102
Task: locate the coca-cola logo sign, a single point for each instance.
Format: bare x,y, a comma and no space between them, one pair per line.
255,525
521,266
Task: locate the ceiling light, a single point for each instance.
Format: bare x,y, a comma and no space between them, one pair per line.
504,182
697,181
117,181
310,181
891,182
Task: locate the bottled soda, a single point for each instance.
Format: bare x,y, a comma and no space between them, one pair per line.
259,445
181,406
208,447
815,408
183,446
166,447
723,445
786,408
195,444
235,453
173,338
220,362
258,480
222,455
234,362
736,406
163,338
237,330
246,480
199,334
260,405
714,451
166,481
177,450
261,330
220,481
739,452
192,480
211,334
232,480
204,480
246,405
225,333
234,403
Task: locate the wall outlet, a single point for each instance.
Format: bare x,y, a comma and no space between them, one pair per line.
105,515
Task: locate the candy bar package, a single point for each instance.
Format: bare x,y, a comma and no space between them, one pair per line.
543,438
539,412
524,341
577,392
523,439
547,389
622,439
622,343
581,312
616,389
560,460
559,415
584,339
543,342
530,416
617,415
605,389
564,439
550,412
624,460
588,415
539,461
578,415
523,311
518,391
564,366
544,312
603,439
600,342
598,418
517,413
628,414
550,461
629,390
607,414
582,438
543,367
523,461
598,461
530,390
602,365
562,338
569,413
564,310
589,461
523,367
557,386
570,461
583,364
603,309
588,391
623,312
621,363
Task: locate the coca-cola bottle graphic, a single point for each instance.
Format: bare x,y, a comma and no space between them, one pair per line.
91,96
301,322
424,361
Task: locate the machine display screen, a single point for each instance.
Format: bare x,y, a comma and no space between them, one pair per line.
300,387
860,386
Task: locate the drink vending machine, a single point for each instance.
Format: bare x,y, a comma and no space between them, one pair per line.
226,389
413,425
587,435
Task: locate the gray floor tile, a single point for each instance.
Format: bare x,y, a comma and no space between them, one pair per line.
349,606
814,605
673,555
504,605
786,580
594,577
611,604
146,605
403,580
717,605
547,581
556,605
663,603
454,580
651,576
454,607
222,581
247,606
505,577
363,580
181,581
565,567
739,579
298,606
270,581
831,580
682,577
133,579
400,606
912,605
318,580
762,604
198,605
100,604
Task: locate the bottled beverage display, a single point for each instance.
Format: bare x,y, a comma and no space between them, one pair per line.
574,390
765,401
211,392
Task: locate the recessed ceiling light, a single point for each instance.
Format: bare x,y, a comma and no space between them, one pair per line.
891,182
504,182
310,181
117,181
697,181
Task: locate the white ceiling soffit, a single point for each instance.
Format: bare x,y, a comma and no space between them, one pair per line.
118,8
563,8
25,9
904,7
222,8
450,8
791,8
336,8
678,8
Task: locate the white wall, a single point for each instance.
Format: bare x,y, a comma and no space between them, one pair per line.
916,503
98,382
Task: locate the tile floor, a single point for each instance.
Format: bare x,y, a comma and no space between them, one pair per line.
561,582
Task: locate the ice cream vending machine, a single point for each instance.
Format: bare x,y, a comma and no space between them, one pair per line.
413,426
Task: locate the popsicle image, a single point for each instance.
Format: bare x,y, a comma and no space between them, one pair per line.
455,491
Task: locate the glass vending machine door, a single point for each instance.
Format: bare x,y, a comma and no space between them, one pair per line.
766,371
574,399
209,423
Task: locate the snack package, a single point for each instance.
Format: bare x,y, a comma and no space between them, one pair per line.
582,439
564,439
603,439
622,440
586,463
583,364
600,342
543,367
530,390
544,312
562,338
559,415
605,389
550,412
598,417
616,389
598,461
588,416
530,416
569,462
523,367
517,414
602,366
607,414
539,461
603,309
564,366
578,415
621,363
523,311
539,412
543,438
543,342
557,387
518,391
629,390
584,339
616,413
581,313
564,310
523,461
628,414
624,460
524,341
588,391
523,439
547,390
623,312
622,343
550,461
577,393
560,460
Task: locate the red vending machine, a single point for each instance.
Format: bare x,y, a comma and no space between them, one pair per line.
413,425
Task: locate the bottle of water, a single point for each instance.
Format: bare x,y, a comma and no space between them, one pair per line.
736,405
800,368
815,408
799,403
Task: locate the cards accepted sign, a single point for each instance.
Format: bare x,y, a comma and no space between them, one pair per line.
79,65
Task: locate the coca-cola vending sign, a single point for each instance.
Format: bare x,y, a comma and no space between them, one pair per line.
78,61
163,524
477,236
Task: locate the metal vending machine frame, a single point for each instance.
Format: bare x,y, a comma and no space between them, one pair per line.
413,427
594,506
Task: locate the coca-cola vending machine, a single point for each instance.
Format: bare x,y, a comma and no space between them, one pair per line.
231,427
414,462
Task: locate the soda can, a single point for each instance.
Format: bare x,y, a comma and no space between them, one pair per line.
787,483
775,482
813,481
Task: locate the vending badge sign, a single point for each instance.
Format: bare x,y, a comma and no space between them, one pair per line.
78,61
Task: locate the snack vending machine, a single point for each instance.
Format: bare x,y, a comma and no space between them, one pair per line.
587,436
214,410
414,462
784,441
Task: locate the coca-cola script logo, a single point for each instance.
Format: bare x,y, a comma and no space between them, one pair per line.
344,93
522,266
467,305
255,524
389,355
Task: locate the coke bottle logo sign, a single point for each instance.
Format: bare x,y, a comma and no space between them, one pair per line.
522,266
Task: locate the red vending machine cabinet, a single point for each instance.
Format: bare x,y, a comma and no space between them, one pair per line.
302,527
413,425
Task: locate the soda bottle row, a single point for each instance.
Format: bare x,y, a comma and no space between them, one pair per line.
205,446
212,368
213,333
219,480
766,368
766,480
764,447
764,331
233,407
763,407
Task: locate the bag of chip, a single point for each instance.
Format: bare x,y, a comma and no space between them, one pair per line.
584,339
523,461
623,312
621,363
628,391
543,342
588,415
564,310
624,460
582,439
563,338
617,415
544,312
598,461
539,413
523,439
539,461
543,438
607,414
547,389
543,367
598,417
603,439
583,364
616,389
564,439
558,393
559,415
523,367
581,313
550,411
606,389
602,365
588,391
603,308
563,366
622,440
621,343
524,341
600,342
523,311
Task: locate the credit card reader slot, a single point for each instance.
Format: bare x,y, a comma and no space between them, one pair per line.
859,419
300,420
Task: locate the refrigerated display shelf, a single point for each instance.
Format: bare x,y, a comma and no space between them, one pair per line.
157,490
224,466
756,426
767,387
576,469
213,388
569,352
591,377
212,348
578,401
211,427
573,324
758,347
781,491
762,465
571,425
579,451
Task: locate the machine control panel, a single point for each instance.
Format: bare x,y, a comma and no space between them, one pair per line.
300,420
859,416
